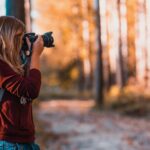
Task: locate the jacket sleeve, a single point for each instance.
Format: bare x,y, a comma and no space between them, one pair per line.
19,85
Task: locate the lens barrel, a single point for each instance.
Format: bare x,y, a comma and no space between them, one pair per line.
48,39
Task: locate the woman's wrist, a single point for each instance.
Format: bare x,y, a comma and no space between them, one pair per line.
35,55
35,61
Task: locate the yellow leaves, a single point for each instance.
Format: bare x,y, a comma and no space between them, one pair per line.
83,53
115,91
74,74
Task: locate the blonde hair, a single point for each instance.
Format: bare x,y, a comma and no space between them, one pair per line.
10,42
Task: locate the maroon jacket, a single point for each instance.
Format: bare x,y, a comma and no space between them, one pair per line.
16,120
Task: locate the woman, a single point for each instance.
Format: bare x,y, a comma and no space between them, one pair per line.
16,120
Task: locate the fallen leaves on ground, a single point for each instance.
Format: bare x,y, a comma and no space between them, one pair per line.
73,125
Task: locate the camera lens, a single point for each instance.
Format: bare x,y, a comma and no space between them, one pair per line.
48,39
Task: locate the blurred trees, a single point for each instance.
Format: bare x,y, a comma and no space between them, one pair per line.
100,44
74,37
125,37
106,38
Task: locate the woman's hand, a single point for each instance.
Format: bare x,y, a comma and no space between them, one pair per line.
38,46
37,50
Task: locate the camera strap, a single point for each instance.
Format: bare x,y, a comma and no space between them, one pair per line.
23,100
1,93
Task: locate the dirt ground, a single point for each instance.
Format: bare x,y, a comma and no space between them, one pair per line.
71,125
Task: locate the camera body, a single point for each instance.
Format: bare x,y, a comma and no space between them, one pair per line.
47,39
26,51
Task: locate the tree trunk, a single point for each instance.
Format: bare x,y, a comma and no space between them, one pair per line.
121,73
99,62
131,18
141,52
110,80
86,43
147,5
16,8
28,19
81,75
146,43
21,10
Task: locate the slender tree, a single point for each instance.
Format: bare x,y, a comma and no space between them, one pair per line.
21,10
16,8
146,40
131,18
141,46
99,62
28,19
86,43
121,73
108,74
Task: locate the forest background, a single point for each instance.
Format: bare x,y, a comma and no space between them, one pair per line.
101,51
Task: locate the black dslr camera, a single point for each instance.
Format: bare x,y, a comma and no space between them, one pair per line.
47,39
